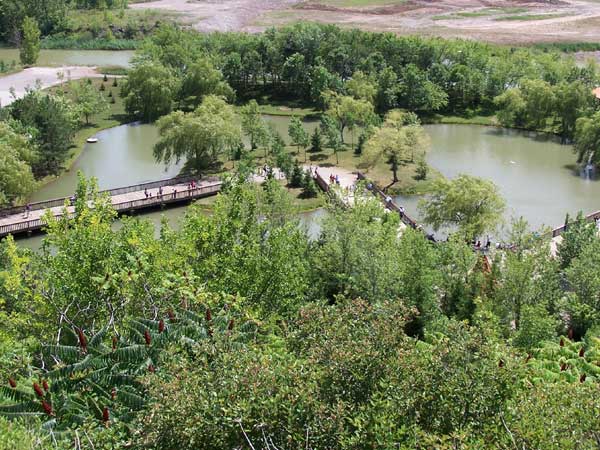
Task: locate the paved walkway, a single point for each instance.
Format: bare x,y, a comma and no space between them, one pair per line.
347,181
44,76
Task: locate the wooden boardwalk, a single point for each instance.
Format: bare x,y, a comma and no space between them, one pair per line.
347,187
131,198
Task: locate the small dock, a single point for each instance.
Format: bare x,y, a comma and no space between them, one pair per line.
156,194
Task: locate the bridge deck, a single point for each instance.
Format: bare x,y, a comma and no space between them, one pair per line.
20,221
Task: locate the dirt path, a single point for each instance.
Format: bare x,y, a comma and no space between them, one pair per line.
218,15
39,76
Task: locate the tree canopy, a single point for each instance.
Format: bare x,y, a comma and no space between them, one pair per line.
199,137
471,204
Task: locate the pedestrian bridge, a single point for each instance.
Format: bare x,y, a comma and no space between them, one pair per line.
155,194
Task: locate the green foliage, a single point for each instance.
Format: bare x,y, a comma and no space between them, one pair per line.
52,121
149,91
253,125
200,136
30,47
297,176
202,79
471,204
316,143
298,135
309,186
399,140
17,153
578,235
587,133
89,101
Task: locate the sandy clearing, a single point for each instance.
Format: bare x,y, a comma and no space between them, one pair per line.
218,15
579,19
40,76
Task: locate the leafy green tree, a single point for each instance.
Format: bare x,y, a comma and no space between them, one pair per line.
417,93
584,278
511,107
247,249
321,82
316,144
52,121
309,187
399,140
536,327
297,175
578,235
298,134
361,87
471,204
360,146
572,100
587,136
89,101
149,91
202,79
561,401
453,389
348,112
253,124
17,153
30,46
539,100
201,136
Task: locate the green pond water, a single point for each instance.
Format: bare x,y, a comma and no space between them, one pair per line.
534,172
120,58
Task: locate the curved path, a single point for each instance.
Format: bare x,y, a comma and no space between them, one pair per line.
42,77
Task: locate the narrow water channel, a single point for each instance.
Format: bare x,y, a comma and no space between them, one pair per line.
57,58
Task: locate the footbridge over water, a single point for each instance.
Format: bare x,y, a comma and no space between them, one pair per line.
155,194
347,186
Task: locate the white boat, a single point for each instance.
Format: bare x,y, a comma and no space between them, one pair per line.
91,140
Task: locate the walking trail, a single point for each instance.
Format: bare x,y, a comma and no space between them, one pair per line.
42,77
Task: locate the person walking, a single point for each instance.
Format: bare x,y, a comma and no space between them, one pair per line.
27,210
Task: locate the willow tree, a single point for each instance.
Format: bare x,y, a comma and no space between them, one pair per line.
470,204
200,137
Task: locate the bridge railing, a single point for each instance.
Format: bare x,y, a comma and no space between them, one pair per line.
117,191
407,220
166,198
590,217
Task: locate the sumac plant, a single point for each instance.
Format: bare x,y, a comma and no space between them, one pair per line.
565,360
99,377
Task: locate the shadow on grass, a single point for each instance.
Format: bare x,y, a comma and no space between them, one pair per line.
318,157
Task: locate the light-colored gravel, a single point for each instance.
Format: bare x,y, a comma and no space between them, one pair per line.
42,77
218,15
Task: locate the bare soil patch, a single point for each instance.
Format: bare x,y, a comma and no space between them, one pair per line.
42,77
487,20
